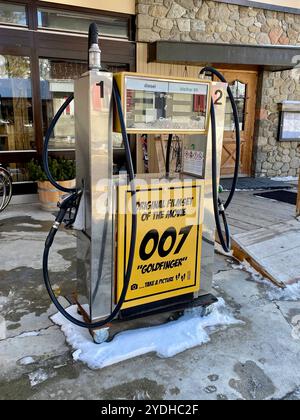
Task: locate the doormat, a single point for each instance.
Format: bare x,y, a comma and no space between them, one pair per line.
284,196
248,184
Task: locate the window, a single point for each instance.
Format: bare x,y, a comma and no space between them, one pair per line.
289,121
57,84
239,91
16,115
79,23
12,14
18,171
29,100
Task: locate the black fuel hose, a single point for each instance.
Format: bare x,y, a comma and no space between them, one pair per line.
168,156
237,132
46,147
225,241
219,206
65,205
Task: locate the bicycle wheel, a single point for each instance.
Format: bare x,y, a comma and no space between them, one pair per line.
5,189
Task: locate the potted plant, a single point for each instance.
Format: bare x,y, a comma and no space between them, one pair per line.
63,171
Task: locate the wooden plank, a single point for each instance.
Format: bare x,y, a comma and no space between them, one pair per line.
175,70
256,207
254,216
255,222
274,251
242,256
265,204
235,230
253,200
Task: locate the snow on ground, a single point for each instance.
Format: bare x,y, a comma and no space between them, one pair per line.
29,334
274,293
38,377
29,225
291,293
285,179
26,361
239,189
2,328
166,340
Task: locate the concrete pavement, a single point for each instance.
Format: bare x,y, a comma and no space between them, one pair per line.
257,360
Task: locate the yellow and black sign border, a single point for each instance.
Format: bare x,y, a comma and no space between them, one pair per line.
122,253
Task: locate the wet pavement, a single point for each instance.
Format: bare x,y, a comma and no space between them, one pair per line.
259,359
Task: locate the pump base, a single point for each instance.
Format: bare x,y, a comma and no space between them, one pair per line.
150,318
170,305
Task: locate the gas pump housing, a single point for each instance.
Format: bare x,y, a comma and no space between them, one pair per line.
174,253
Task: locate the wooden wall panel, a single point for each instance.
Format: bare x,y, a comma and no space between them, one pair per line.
162,69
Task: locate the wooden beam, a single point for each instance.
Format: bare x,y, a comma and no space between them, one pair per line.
271,57
242,256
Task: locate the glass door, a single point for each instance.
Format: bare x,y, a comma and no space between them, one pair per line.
16,111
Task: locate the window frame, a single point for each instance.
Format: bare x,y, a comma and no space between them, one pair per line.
32,16
35,44
14,25
89,14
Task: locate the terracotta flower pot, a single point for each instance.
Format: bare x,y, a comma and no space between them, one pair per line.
50,196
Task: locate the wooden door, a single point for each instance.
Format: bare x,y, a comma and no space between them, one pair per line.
244,87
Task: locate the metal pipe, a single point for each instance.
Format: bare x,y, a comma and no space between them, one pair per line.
94,58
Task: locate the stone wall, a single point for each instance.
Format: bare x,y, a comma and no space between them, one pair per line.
273,158
210,21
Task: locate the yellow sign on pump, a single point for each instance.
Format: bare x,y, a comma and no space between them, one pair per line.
167,259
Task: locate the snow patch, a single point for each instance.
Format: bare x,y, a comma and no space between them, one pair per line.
3,301
38,377
284,179
240,189
166,340
290,293
29,334
3,328
29,225
26,361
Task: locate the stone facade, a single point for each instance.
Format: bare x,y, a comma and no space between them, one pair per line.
273,158
211,21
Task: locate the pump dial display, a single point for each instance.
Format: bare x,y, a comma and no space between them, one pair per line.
159,105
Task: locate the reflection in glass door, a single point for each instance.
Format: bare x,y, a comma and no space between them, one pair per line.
16,113
57,83
16,116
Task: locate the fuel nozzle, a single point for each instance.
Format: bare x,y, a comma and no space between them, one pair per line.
94,50
68,204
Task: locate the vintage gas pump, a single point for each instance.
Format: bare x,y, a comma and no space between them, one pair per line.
145,243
